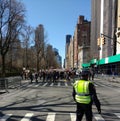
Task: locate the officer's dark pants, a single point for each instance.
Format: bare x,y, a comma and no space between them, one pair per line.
84,109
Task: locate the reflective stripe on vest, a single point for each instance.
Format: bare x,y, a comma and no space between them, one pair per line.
82,92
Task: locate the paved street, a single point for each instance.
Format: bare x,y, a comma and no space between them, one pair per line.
53,102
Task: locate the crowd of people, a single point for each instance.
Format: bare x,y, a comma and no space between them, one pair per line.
53,75
48,75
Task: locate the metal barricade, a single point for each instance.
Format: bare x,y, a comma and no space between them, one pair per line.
14,82
4,84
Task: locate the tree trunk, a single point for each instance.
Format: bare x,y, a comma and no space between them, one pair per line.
3,65
37,62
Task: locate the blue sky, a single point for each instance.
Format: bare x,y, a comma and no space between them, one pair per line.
59,18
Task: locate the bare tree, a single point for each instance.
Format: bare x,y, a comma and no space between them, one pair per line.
27,36
50,58
13,56
39,44
11,21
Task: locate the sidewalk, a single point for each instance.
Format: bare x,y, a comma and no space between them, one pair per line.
114,79
111,78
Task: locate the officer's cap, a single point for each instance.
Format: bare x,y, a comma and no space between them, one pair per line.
85,73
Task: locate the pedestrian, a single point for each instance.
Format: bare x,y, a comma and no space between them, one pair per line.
31,76
36,77
84,94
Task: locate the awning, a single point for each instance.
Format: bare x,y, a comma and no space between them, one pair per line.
107,60
85,65
111,59
93,61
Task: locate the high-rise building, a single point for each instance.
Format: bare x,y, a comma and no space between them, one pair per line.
58,57
71,53
95,27
105,35
68,38
103,24
118,28
39,32
81,42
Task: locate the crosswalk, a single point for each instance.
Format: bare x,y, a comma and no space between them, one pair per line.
27,117
49,84
52,84
60,83
51,116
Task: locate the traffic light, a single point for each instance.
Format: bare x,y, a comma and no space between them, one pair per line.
103,40
98,41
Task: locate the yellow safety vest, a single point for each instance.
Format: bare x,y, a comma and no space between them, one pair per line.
82,91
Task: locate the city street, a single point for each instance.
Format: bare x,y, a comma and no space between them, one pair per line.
45,46
53,102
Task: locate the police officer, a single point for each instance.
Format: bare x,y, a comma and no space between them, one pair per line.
84,94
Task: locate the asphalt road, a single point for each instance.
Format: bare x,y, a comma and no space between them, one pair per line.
54,102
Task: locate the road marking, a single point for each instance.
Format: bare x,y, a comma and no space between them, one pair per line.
72,84
27,117
37,85
117,114
58,84
73,116
45,84
4,118
96,85
30,85
51,117
98,117
51,84
66,84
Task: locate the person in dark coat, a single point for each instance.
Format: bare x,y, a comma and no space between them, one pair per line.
31,76
84,94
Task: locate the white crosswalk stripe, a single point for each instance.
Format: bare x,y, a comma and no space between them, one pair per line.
66,84
27,117
37,85
51,84
45,84
30,85
58,84
117,114
73,116
63,84
98,117
5,117
51,117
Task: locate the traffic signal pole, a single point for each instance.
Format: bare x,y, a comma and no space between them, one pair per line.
110,38
114,42
106,36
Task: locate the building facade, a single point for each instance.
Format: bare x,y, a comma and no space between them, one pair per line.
81,42
68,38
95,27
58,57
118,28
71,54
105,35
103,24
78,47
